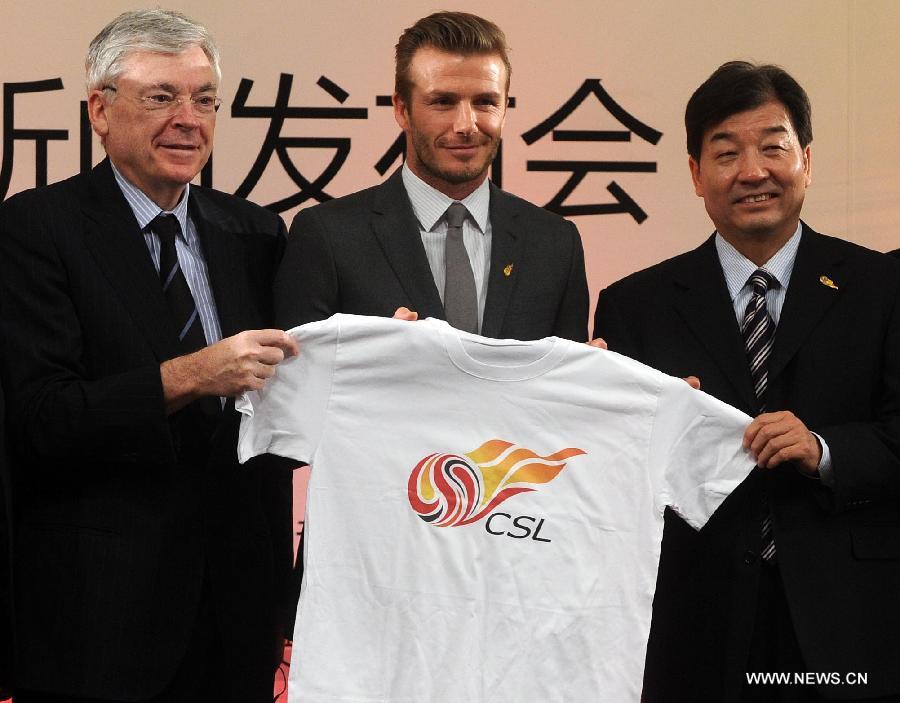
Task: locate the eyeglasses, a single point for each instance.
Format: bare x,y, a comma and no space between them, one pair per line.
166,104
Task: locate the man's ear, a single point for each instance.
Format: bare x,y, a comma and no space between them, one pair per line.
807,156
98,113
695,175
401,111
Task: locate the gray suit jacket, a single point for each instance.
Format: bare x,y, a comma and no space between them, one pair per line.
362,254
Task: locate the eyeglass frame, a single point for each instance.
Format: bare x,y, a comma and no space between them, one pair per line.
174,106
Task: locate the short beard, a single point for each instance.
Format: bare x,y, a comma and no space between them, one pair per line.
469,173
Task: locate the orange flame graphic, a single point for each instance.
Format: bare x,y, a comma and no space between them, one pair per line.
449,490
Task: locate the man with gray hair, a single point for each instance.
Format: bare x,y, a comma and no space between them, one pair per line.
149,565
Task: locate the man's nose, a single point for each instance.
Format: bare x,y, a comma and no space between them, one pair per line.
465,121
184,115
752,167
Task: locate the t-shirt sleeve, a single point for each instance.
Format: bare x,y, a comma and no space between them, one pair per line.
696,450
288,416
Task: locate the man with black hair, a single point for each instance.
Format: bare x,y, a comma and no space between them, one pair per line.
798,572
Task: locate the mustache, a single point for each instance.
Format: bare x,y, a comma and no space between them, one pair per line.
477,139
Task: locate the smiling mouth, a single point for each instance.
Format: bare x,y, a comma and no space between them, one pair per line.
759,198
180,147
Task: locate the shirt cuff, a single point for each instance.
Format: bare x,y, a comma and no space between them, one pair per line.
826,472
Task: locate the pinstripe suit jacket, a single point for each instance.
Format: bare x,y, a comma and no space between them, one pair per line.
122,514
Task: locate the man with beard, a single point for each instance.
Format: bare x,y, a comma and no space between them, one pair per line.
437,237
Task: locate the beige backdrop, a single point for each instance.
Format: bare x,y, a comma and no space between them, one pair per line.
649,55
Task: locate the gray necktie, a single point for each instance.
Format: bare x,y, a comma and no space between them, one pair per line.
460,302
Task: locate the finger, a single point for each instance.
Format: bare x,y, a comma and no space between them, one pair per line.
276,338
795,443
776,431
756,425
692,381
803,451
263,371
270,355
599,343
765,457
402,313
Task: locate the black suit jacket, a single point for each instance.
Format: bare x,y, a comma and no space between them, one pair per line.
363,254
6,638
836,365
122,514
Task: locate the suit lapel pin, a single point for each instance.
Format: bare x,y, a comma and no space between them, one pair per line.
507,271
825,281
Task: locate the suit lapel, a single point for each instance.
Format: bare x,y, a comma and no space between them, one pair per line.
807,299
397,231
117,245
701,297
224,254
506,246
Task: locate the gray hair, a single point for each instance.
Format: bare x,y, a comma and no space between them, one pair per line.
155,30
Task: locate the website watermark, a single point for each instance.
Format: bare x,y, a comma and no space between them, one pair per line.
807,678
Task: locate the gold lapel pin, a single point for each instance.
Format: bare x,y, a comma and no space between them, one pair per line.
507,271
825,281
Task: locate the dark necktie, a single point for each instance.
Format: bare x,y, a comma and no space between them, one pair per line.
460,301
758,330
175,287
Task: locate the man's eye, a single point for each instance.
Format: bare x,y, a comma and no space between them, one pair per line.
160,99
205,100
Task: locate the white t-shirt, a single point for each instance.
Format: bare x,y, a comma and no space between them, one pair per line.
484,516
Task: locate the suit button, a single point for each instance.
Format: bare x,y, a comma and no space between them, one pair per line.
750,557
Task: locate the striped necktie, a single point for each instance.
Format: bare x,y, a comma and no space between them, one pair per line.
758,331
175,287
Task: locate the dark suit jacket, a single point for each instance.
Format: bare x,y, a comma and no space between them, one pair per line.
122,514
896,253
836,365
6,636
363,254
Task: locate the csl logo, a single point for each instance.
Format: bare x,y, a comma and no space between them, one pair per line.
522,526
452,490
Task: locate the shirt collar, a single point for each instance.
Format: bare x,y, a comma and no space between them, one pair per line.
738,268
429,204
144,209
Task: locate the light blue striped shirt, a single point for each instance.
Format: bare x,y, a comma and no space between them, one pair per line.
738,269
429,206
187,247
